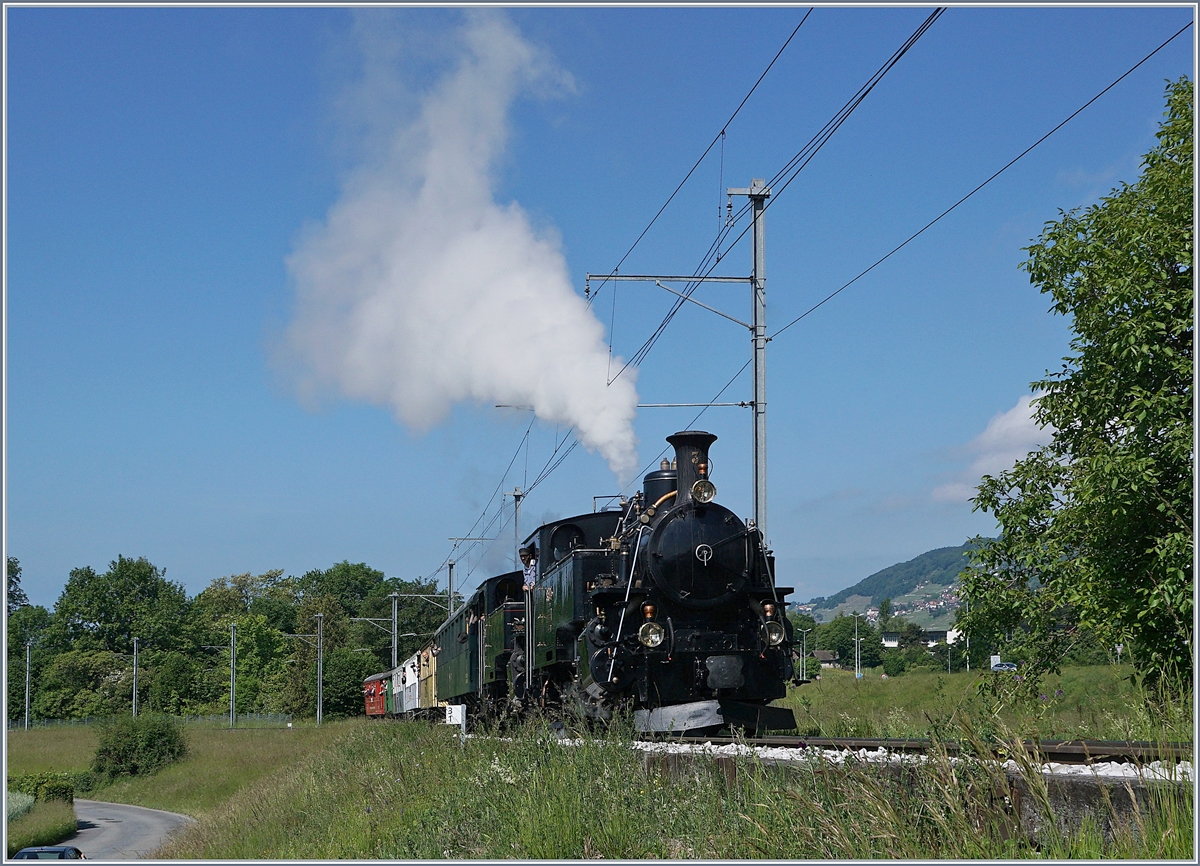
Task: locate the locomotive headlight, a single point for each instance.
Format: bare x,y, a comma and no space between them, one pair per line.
703,491
773,633
651,634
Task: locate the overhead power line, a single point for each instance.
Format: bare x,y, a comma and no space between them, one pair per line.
795,165
711,144
880,261
1003,169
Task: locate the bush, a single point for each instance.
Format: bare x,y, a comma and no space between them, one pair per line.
138,747
51,785
893,662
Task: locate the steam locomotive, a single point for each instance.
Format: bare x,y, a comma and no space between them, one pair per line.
667,606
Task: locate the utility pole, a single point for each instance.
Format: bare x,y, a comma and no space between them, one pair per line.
375,621
28,655
395,597
758,194
135,663
450,588
804,653
517,496
320,618
232,675
857,655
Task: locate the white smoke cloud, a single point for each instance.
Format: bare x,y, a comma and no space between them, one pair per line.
420,290
1008,437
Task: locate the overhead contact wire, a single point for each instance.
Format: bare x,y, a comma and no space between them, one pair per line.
1007,166
692,170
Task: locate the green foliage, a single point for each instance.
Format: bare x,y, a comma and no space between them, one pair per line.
1097,525
16,595
80,683
174,685
838,635
26,623
52,785
136,747
345,671
410,791
350,584
893,662
104,612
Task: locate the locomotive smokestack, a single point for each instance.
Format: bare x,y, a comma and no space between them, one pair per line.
691,460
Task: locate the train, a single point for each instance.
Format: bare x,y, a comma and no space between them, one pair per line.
666,607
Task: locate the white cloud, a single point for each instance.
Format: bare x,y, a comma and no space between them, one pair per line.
1008,437
420,290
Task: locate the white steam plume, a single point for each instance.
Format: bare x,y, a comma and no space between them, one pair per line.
420,291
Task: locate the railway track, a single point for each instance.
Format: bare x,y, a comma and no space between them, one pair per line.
1049,751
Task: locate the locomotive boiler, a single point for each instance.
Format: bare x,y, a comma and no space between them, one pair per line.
667,607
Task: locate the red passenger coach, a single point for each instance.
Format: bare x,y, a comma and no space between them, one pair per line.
375,693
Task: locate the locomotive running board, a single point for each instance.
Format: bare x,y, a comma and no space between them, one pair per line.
681,718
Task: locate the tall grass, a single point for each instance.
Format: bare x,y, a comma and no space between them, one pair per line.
18,804
1096,703
47,823
410,791
41,750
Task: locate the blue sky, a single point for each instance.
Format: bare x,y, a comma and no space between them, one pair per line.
258,316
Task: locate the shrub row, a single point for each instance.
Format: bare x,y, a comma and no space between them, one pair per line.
52,786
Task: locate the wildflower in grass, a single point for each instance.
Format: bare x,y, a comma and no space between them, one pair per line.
1058,693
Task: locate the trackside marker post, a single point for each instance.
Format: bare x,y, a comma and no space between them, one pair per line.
456,714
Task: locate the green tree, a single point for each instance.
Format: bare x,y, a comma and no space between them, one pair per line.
349,583
175,685
838,635
107,611
16,595
417,617
1097,525
26,623
79,683
885,614
300,694
345,671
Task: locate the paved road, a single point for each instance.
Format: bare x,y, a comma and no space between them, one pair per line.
113,831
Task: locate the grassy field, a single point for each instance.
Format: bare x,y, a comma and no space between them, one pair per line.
410,791
46,824
39,750
1099,703
370,790
220,762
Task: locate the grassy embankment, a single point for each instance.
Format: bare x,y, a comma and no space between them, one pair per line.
409,791
220,762
392,790
1095,703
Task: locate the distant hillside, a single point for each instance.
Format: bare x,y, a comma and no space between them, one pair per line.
939,566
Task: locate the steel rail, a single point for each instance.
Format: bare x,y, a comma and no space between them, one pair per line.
1050,751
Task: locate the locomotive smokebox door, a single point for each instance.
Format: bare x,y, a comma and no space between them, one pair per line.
725,672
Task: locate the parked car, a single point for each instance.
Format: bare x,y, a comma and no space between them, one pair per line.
1004,666
50,852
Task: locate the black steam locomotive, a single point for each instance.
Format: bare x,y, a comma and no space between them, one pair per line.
667,606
